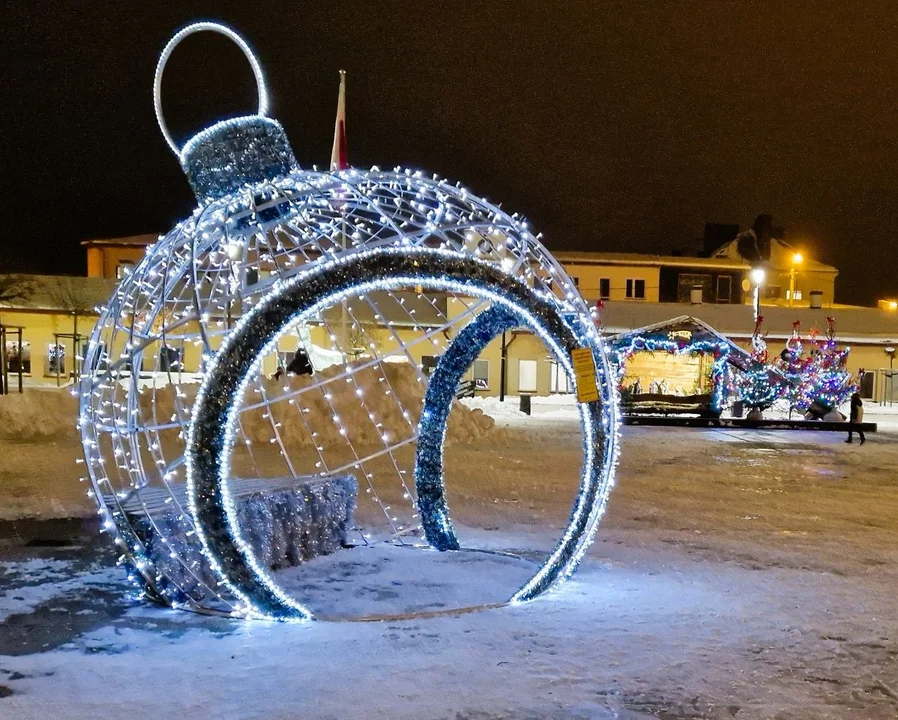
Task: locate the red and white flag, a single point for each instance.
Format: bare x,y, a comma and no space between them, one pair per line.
339,154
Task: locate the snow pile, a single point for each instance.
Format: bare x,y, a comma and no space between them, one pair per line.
390,393
782,410
374,404
39,414
552,407
510,409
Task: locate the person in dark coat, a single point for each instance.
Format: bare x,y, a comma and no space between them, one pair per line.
857,417
299,365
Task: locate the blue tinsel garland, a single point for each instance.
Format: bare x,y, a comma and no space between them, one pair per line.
441,389
215,413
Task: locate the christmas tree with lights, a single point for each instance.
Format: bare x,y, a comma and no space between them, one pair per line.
754,386
820,380
791,365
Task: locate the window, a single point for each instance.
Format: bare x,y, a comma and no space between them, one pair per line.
480,374
635,289
55,360
101,359
123,268
558,379
252,277
129,365
18,359
866,384
527,376
772,292
685,283
428,363
576,281
295,362
724,288
604,288
171,359
285,357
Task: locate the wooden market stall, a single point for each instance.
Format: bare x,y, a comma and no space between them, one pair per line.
681,365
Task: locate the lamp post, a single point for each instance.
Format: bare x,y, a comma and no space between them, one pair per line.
890,351
796,260
757,275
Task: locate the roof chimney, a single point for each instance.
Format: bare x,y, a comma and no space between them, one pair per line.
716,236
763,228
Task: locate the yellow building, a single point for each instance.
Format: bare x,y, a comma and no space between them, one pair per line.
112,258
789,274
725,278
57,315
44,323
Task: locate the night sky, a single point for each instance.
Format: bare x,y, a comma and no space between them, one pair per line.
611,125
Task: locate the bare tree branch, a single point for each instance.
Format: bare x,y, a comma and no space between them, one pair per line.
16,287
71,294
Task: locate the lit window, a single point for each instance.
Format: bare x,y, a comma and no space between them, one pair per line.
55,360
558,379
171,359
527,376
18,357
428,363
480,374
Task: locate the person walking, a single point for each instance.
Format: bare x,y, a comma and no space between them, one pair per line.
857,417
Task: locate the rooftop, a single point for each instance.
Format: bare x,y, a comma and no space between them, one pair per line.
719,263
853,324
614,258
130,241
57,292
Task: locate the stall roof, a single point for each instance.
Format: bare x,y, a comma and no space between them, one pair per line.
699,330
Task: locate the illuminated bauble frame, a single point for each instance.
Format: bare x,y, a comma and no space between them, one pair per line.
253,263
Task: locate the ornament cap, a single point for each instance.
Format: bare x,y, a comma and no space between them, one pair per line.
234,153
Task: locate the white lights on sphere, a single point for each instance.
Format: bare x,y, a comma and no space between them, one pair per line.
191,425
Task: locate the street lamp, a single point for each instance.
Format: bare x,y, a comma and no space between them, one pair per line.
890,351
797,259
757,275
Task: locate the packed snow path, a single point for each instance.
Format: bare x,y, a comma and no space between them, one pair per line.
738,574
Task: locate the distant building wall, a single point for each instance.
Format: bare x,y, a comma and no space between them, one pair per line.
620,281
39,338
112,261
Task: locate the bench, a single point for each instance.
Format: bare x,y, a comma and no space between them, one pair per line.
285,520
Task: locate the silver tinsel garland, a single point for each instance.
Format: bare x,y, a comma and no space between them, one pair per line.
214,416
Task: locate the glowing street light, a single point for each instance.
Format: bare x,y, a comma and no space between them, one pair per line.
757,275
797,259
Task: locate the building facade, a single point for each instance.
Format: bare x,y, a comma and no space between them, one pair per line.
632,291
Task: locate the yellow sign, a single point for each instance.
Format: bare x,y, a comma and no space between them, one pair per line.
585,370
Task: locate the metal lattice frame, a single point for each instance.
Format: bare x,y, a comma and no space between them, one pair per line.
192,285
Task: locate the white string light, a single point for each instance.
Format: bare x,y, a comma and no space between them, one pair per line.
262,226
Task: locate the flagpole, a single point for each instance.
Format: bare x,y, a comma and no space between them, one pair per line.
339,161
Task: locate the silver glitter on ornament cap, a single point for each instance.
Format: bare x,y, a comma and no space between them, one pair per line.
236,153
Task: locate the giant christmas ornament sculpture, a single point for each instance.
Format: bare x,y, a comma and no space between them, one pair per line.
175,402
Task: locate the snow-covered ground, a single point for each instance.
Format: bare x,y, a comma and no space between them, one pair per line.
737,574
543,410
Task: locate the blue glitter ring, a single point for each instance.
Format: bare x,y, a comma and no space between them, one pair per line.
441,388
216,410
